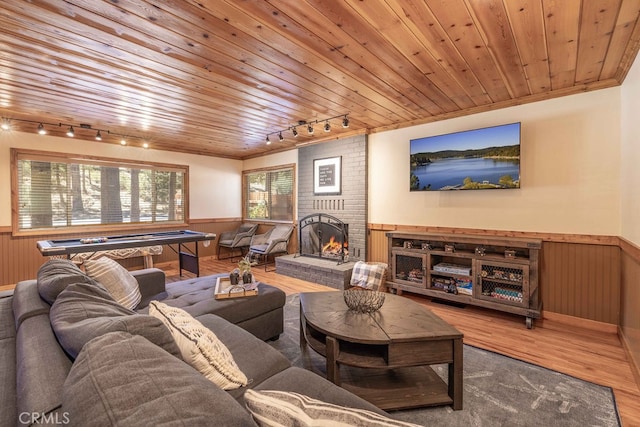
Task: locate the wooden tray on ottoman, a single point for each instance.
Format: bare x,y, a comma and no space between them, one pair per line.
225,290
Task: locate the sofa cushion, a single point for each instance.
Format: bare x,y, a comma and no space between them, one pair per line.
55,275
82,312
27,302
41,368
120,379
118,281
254,357
281,408
200,347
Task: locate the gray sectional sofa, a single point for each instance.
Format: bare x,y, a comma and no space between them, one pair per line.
71,355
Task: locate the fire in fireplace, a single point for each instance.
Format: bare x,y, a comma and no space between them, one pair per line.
323,236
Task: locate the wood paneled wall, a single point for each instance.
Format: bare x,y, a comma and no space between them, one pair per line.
579,278
630,297
20,258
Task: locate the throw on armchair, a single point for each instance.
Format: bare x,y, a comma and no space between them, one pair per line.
271,243
237,239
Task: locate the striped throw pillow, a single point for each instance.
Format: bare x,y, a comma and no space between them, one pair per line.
271,408
122,286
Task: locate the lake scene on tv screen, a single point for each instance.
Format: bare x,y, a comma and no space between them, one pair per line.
478,159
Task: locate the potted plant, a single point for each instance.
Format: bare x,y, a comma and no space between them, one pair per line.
244,265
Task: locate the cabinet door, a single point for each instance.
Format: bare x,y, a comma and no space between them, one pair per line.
409,268
503,282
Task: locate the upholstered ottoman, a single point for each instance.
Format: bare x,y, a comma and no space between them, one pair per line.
262,314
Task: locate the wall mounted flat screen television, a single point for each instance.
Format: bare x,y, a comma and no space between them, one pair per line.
479,159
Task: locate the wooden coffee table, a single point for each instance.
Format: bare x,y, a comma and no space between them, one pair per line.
395,345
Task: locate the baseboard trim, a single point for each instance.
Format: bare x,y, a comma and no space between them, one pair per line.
592,325
633,363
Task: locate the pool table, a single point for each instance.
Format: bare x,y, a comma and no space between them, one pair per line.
188,258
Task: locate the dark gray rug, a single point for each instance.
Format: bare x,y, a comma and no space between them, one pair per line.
498,390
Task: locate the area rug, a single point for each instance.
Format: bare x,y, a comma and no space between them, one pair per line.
498,390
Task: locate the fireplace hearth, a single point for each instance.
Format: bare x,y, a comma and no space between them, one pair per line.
323,236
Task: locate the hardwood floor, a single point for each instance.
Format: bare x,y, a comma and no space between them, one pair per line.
586,353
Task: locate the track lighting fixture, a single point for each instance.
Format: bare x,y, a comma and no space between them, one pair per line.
5,124
310,129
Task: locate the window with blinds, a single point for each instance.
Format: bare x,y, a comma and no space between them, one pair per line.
268,193
57,191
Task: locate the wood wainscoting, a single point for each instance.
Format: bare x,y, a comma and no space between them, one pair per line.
20,258
630,303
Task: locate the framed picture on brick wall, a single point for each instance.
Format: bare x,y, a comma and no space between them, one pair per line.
327,176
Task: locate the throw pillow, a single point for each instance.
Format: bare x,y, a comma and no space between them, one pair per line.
118,281
55,275
200,347
369,275
281,408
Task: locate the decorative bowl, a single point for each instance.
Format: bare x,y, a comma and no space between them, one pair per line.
363,301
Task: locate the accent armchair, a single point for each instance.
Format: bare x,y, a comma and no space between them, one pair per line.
239,239
269,244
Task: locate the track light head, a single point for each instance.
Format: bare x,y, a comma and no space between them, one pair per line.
280,137
70,132
345,122
294,131
145,145
98,136
41,129
5,124
123,141
327,126
268,141
310,129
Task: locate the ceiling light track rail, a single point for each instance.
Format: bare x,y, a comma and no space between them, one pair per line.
309,126
5,125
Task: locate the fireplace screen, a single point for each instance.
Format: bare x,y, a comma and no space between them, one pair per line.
323,236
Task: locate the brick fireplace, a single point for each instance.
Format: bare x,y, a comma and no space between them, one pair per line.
348,207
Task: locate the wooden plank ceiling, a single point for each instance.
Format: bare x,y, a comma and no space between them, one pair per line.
214,77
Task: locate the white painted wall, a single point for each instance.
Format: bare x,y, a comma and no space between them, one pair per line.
630,160
570,179
214,183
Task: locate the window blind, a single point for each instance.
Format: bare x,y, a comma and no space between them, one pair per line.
55,192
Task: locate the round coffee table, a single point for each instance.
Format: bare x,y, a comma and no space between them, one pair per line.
395,345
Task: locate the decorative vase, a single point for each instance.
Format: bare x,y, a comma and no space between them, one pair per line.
247,277
234,277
